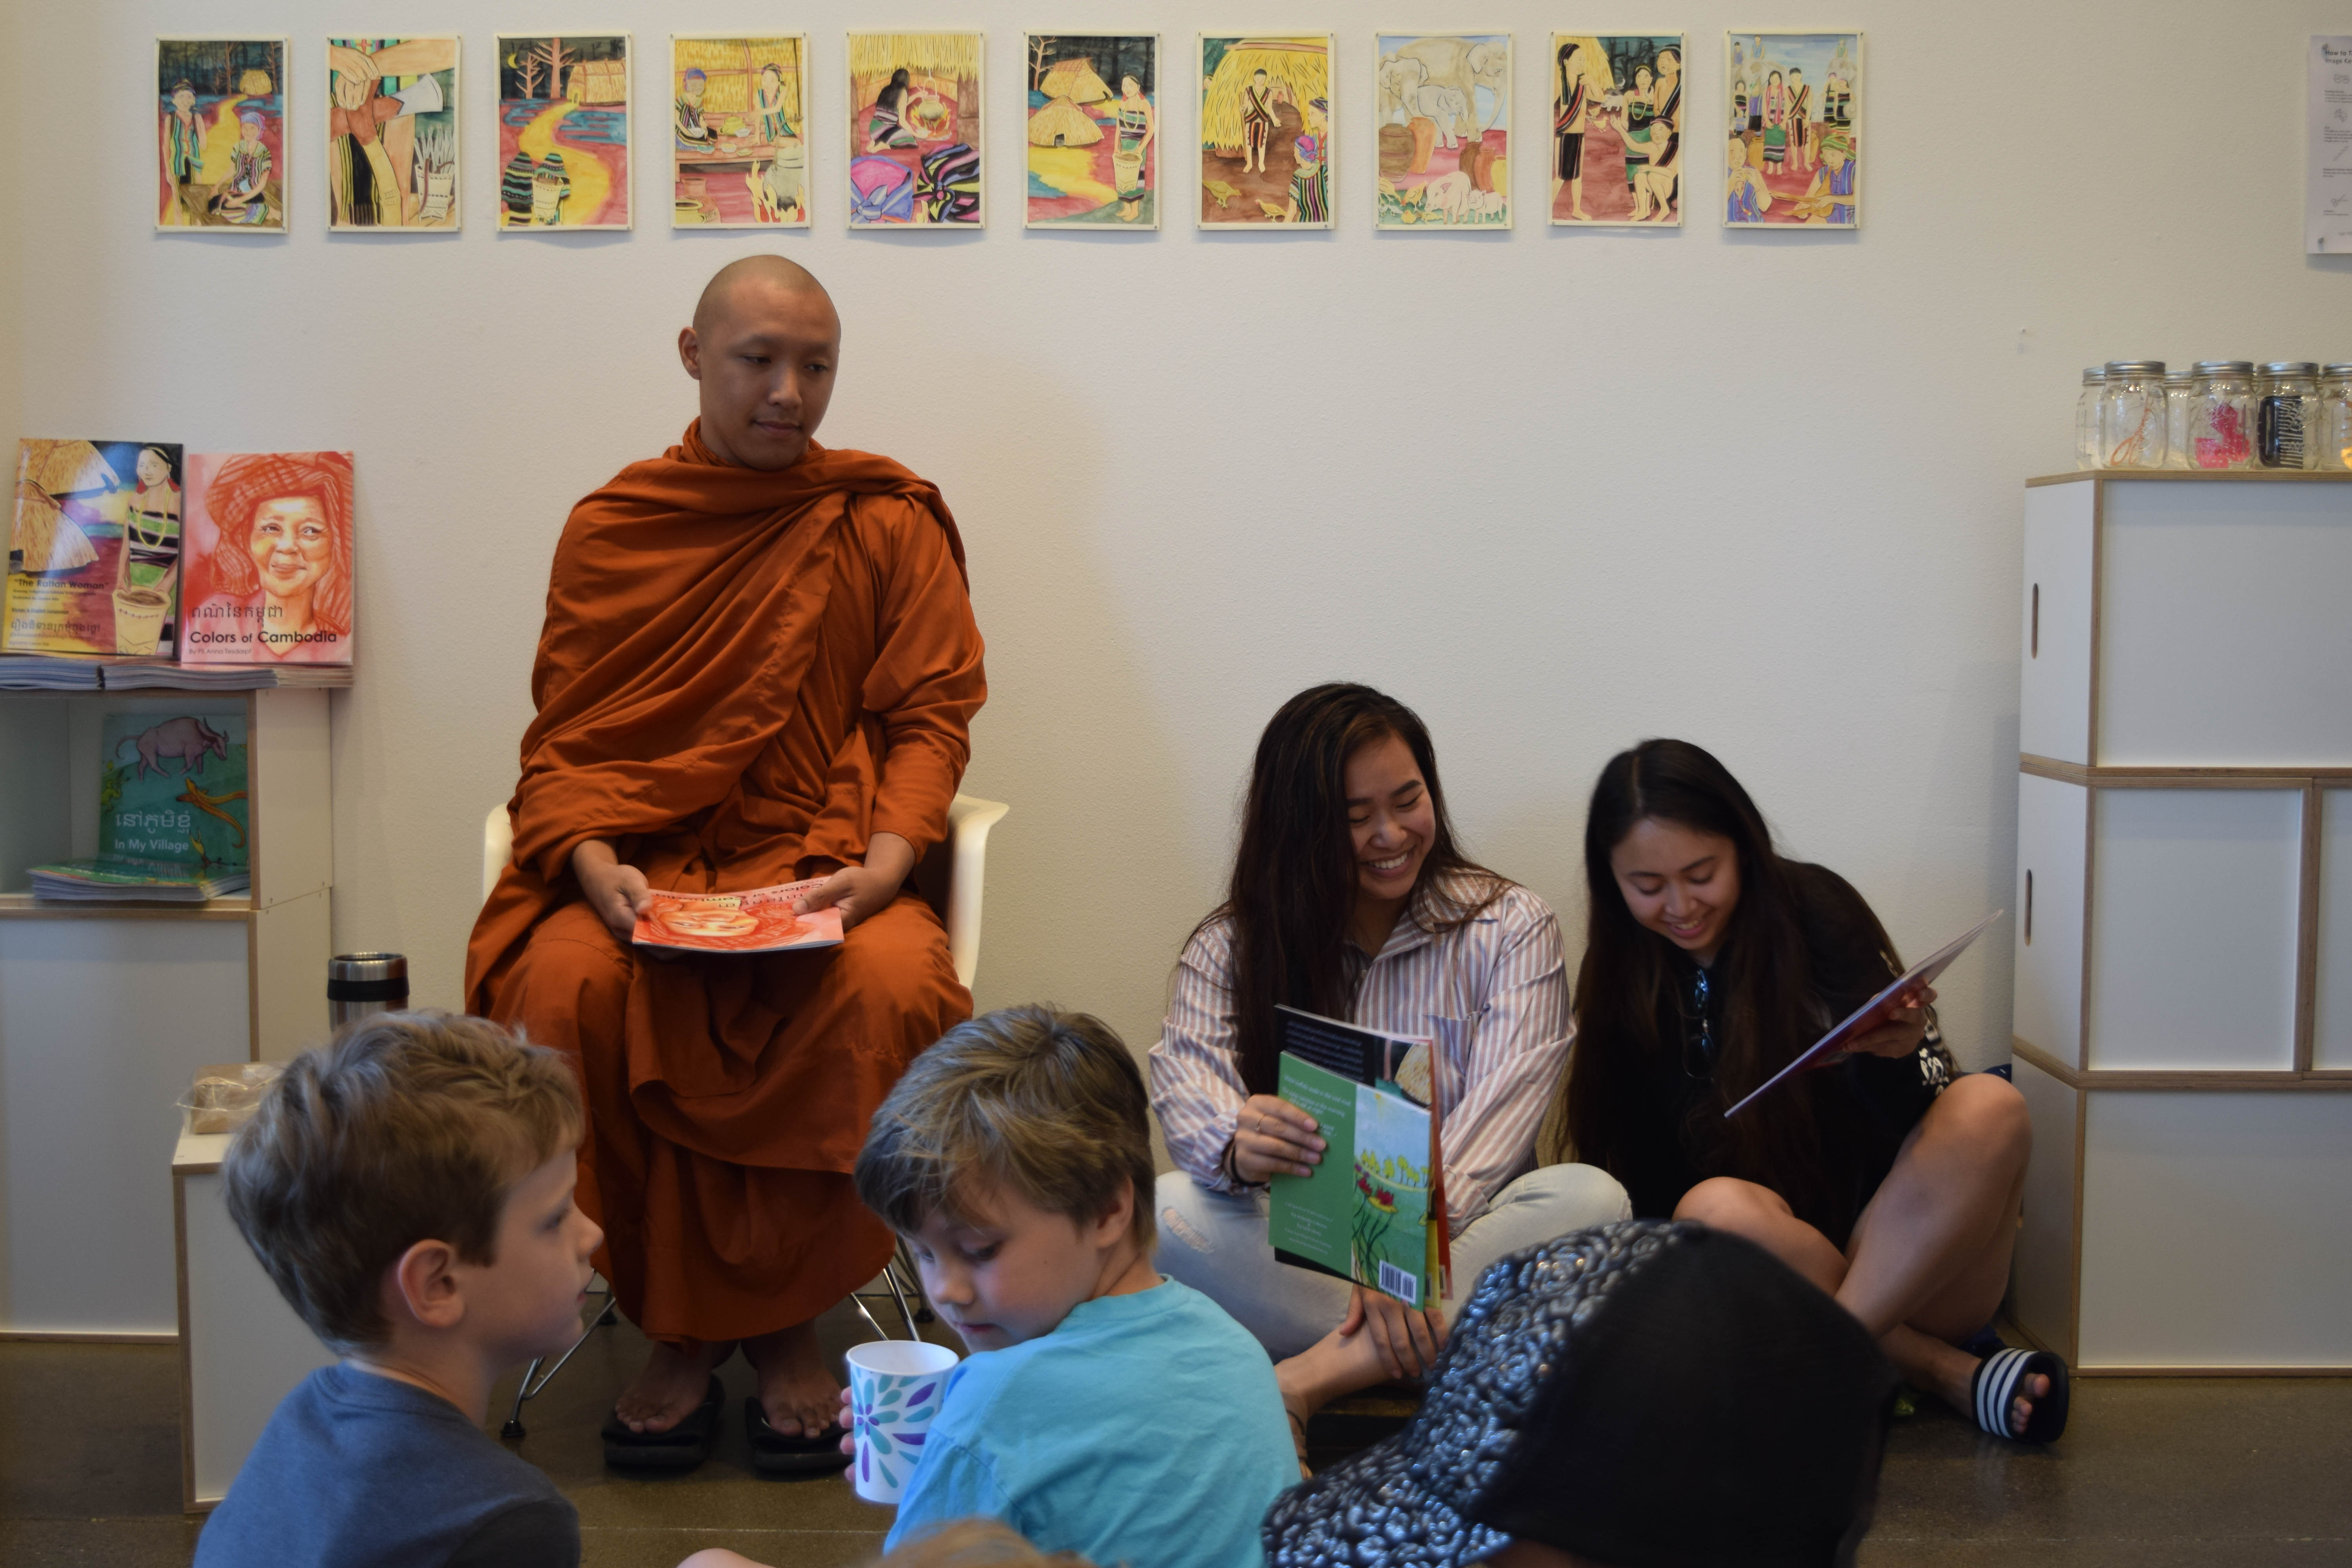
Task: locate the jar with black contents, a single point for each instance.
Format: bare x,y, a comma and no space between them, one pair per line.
2334,434
2286,394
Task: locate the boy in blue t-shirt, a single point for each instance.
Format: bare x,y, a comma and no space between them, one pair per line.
1105,1411
409,1189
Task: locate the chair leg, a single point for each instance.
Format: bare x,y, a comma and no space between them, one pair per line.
533,1385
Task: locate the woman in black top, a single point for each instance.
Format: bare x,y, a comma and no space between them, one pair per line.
1884,1177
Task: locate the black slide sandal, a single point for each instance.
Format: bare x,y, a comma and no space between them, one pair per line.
775,1453
682,1448
1998,1379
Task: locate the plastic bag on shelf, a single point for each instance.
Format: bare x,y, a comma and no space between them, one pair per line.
224,1097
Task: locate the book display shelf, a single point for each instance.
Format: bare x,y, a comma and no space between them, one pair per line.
107,1010
2183,1024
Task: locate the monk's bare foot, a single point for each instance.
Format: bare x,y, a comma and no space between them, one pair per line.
799,1394
674,1378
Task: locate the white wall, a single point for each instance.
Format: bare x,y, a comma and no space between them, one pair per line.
1557,489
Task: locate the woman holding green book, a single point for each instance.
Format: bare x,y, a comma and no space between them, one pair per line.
1350,898
1711,962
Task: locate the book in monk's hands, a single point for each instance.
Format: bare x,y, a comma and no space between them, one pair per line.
1374,1211
1877,1010
760,921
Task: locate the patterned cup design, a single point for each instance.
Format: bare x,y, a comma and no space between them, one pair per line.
894,1392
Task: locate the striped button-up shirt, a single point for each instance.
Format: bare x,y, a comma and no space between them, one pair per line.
1491,995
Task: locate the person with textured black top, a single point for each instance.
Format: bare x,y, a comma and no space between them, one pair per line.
1880,1174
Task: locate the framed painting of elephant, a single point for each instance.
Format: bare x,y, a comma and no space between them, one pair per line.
1443,105
1618,114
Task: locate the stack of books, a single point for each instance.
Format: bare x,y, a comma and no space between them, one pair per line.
174,812
109,880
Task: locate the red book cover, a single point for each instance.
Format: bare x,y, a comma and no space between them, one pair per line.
268,559
761,920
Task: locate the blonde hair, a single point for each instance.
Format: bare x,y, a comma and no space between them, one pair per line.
975,1543
406,1127
1045,1104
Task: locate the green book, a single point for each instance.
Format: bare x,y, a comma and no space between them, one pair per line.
172,792
1366,1215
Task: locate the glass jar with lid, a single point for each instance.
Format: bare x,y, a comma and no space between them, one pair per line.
2286,394
2222,414
2334,433
2131,414
2180,394
2086,419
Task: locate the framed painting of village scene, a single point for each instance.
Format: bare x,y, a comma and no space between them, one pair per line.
1266,114
564,130
739,131
1793,155
915,131
220,134
1618,137
1094,131
1443,102
392,135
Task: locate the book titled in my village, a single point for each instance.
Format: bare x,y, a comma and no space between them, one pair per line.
1374,1210
174,812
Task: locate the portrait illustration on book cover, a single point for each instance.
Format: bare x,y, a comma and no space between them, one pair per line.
269,559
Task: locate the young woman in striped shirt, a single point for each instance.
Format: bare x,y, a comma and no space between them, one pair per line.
1713,961
1350,898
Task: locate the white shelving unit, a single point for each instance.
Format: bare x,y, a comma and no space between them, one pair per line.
107,1011
2183,1023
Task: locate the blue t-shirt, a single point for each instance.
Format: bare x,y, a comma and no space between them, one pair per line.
1145,1431
356,1471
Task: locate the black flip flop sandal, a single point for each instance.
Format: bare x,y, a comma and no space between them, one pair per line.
1998,1377
682,1448
775,1453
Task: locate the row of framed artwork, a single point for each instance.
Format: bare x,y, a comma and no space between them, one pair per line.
738,130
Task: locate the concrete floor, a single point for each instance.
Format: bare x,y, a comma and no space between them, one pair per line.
2154,1473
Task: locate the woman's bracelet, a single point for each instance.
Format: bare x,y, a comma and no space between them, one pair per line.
1226,1165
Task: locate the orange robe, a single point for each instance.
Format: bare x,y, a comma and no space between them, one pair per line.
742,677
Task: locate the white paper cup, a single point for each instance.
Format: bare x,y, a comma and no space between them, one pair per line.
894,1392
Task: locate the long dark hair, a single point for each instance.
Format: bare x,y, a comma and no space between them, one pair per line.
1770,974
1294,883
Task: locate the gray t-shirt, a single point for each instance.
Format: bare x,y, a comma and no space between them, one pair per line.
356,1471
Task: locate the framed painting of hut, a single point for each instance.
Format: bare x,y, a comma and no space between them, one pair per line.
1266,119
915,131
1094,131
564,130
1618,129
392,135
1792,157
1443,102
739,131
220,134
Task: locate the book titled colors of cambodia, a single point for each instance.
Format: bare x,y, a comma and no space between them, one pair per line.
760,921
268,567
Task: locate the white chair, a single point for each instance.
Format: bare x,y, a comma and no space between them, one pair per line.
950,878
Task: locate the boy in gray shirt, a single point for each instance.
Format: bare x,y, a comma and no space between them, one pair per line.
409,1189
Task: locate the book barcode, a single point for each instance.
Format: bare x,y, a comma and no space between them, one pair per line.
1399,1282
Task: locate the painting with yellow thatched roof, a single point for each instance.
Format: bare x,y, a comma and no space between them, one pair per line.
1094,131
1443,105
739,111
915,130
1265,130
564,130
220,134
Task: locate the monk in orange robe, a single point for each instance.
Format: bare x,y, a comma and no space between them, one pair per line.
759,664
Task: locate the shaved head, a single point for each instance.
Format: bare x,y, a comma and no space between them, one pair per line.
752,274
764,339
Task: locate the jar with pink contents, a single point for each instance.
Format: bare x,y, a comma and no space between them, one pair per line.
2222,414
